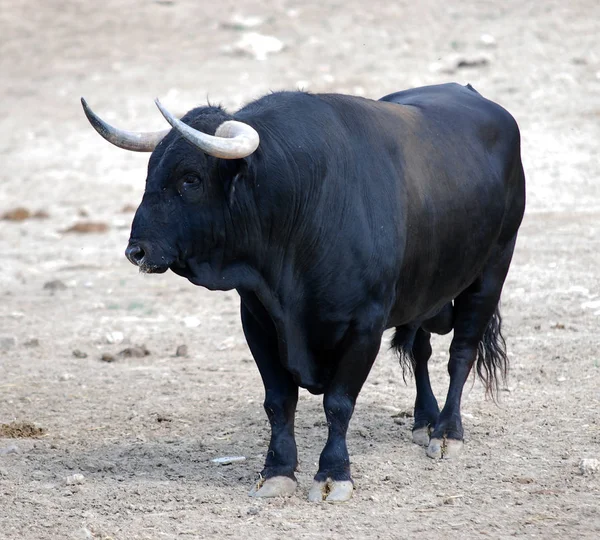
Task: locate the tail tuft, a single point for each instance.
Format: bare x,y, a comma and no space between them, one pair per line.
492,360
402,343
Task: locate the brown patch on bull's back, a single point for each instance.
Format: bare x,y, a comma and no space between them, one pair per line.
87,227
20,430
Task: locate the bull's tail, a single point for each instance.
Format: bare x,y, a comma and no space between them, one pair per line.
492,360
402,343
491,364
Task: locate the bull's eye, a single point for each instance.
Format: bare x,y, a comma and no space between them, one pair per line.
190,181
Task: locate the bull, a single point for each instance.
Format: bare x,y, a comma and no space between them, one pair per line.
335,218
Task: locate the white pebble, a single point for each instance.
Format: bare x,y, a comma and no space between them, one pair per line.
86,534
240,22
589,466
228,343
488,40
75,480
258,45
227,460
115,337
191,322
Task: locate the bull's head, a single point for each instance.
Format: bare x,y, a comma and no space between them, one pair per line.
186,211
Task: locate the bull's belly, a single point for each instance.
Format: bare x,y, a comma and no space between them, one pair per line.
406,314
422,301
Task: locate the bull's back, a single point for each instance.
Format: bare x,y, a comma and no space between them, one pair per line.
460,192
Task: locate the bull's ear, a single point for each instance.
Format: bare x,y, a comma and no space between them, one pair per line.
232,172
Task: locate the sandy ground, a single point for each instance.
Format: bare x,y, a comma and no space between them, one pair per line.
142,430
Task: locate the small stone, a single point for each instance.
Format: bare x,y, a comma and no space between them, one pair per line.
191,322
55,285
7,343
66,377
12,449
239,22
403,414
253,511
32,343
79,354
86,534
472,61
454,62
138,351
87,227
452,499
258,45
20,430
38,475
106,357
114,337
228,460
75,480
524,480
17,214
488,40
228,343
589,466
182,350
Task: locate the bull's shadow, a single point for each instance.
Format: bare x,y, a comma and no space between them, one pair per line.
182,451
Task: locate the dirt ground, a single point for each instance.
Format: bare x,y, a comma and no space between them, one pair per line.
126,445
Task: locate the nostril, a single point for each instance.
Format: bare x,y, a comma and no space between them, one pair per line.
135,254
138,254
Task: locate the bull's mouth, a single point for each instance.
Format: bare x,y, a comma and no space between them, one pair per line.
153,268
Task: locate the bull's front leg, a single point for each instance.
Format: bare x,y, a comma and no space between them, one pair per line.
281,396
333,482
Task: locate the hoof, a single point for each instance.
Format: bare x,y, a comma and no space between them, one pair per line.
277,486
331,491
420,436
444,448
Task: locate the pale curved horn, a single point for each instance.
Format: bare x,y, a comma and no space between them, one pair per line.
232,140
129,140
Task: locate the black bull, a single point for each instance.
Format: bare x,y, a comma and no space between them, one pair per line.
352,216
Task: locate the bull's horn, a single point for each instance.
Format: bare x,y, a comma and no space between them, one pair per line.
232,140
129,140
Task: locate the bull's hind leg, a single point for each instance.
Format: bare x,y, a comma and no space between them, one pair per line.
476,337
281,396
414,346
